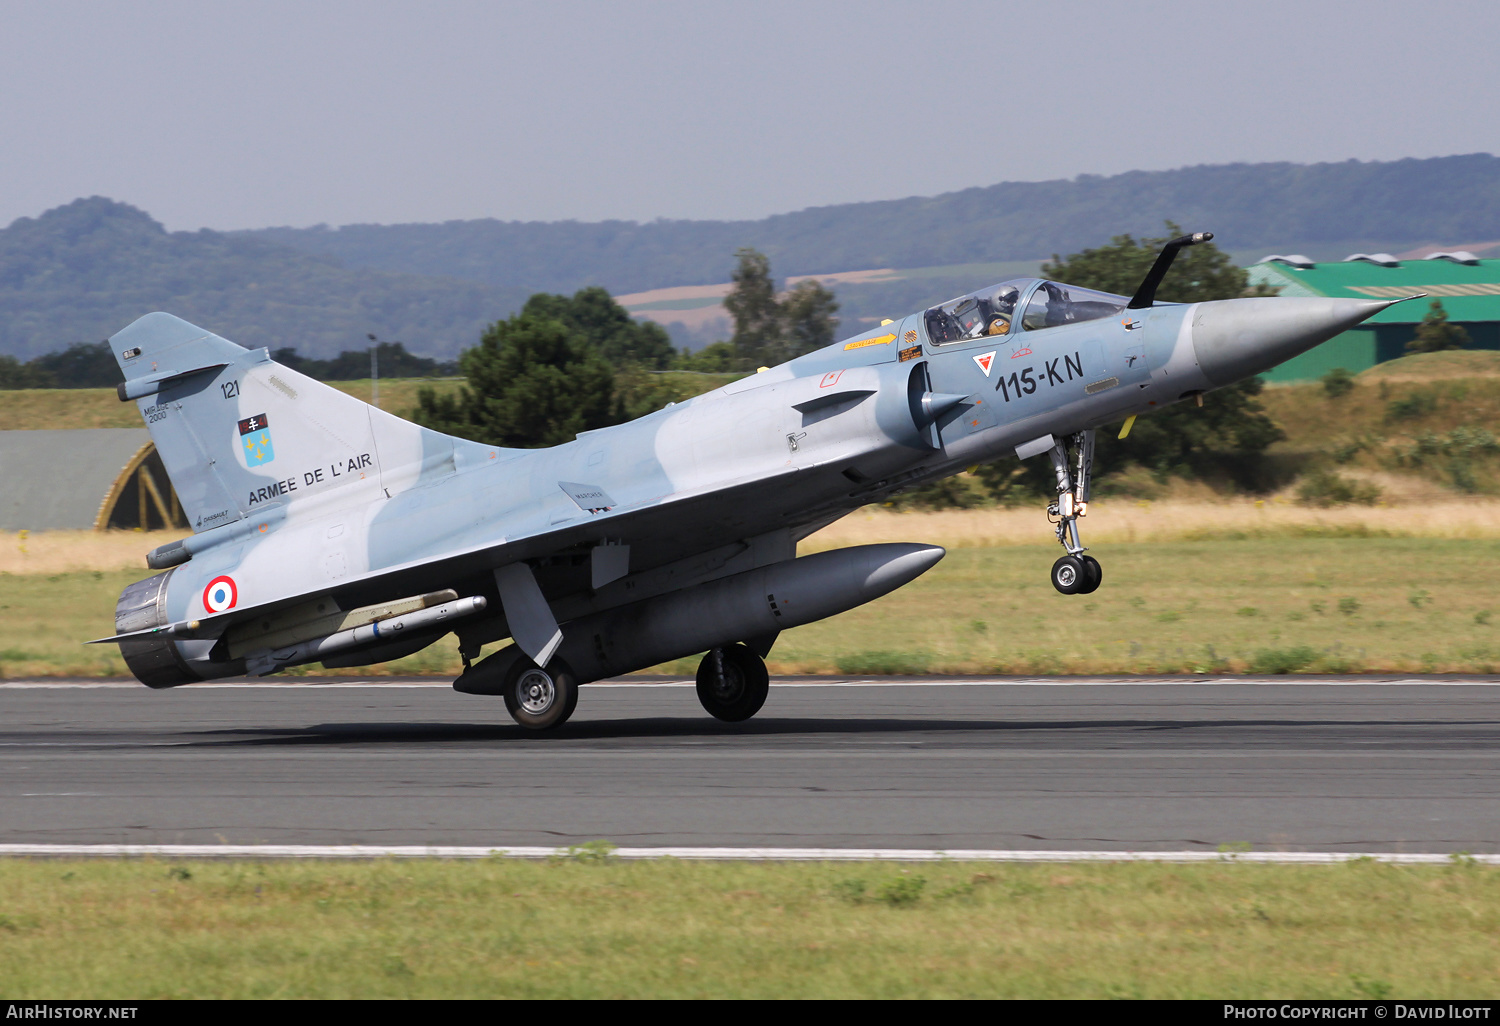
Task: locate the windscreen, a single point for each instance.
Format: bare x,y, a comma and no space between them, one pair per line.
990,311
1054,304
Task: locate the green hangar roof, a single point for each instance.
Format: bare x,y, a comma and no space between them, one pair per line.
1470,291
1468,288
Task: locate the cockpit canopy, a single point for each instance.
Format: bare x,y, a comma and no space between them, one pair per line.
992,311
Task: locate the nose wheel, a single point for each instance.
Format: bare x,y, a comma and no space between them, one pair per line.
1096,574
1076,573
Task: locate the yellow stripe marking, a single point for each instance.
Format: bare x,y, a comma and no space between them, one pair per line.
1399,291
883,340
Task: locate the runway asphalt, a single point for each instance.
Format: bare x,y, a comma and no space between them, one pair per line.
1286,764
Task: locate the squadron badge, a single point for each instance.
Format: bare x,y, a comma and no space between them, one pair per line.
255,437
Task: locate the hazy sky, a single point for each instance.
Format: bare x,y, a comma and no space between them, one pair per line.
248,114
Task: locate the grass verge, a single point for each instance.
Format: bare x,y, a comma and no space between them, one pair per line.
600,928
1260,605
1329,604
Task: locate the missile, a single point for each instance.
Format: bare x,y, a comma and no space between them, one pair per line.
751,606
267,660
312,620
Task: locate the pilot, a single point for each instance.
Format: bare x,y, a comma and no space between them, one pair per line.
1004,308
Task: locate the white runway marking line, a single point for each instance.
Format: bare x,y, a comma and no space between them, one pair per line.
20,685
1052,682
367,851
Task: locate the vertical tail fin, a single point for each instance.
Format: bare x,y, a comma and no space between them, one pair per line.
240,434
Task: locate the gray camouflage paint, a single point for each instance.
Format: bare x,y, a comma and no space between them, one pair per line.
365,507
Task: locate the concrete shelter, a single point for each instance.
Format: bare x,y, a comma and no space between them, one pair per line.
99,478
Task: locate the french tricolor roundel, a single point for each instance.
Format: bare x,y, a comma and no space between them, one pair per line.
221,594
985,360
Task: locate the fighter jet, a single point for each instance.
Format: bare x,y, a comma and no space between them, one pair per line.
326,530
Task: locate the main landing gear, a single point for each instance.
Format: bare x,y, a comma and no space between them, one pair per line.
540,699
732,685
733,682
1075,573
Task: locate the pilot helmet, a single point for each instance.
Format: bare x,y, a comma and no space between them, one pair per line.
1005,299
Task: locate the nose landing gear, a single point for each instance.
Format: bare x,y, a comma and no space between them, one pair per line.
1075,573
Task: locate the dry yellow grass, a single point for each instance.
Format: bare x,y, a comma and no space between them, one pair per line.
1316,422
39,409
1110,521
56,552
35,409
1115,521
1271,605
1456,363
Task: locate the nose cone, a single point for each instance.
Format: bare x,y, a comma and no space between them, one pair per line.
1239,338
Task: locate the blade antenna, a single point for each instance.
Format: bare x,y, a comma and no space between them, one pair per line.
1145,295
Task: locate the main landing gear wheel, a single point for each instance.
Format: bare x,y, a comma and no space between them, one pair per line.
1070,575
540,699
733,683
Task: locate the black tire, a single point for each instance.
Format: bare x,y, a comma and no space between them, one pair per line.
540,699
1069,575
1096,575
740,691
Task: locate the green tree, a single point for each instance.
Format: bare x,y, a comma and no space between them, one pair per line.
1227,437
638,391
81,365
596,320
1337,383
714,358
1200,273
354,364
1435,334
768,330
752,304
564,364
808,321
15,374
531,383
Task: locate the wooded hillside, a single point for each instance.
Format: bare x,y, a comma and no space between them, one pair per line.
1278,206
81,272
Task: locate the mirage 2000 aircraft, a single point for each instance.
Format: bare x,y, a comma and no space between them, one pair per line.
328,531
